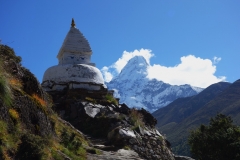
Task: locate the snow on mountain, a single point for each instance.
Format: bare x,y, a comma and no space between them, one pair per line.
135,90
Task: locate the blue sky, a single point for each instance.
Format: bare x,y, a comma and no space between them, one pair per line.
167,30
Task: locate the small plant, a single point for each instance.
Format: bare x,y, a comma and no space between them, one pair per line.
91,100
136,118
126,148
13,114
111,99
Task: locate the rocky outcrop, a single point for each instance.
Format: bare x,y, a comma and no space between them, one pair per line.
118,125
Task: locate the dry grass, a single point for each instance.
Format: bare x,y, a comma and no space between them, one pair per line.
15,83
136,118
40,100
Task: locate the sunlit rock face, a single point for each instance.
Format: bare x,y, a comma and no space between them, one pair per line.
74,69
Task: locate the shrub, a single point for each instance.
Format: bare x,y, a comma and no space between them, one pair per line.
70,141
31,147
219,140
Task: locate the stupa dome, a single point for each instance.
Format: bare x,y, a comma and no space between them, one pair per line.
74,69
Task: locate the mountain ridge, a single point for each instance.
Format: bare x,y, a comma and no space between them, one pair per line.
136,90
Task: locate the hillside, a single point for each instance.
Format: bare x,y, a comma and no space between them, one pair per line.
29,129
179,117
39,125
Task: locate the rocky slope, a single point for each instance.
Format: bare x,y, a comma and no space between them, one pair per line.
116,126
31,129
185,114
134,89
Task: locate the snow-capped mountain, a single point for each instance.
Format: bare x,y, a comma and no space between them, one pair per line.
136,90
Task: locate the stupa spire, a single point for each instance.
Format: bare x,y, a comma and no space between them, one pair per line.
73,23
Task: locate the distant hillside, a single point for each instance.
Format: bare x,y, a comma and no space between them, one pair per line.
182,115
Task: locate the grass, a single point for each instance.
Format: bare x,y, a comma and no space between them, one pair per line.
136,118
40,100
15,83
71,142
5,91
91,100
111,99
9,141
42,103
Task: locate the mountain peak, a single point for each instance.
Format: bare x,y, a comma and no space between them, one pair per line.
136,66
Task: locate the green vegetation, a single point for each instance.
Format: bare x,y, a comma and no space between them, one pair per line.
126,148
5,91
9,140
219,140
31,147
71,142
111,99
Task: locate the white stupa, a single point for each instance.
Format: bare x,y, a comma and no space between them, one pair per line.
74,69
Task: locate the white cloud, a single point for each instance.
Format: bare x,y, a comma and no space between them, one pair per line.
192,70
216,59
107,75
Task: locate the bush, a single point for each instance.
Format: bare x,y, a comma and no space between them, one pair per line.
220,140
31,147
70,141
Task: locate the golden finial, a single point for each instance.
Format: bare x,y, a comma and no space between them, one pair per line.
73,23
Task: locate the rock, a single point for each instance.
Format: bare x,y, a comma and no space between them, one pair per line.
132,141
124,109
127,133
177,157
148,118
92,112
